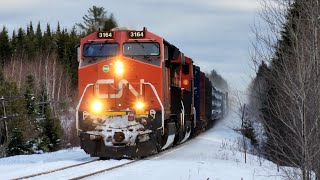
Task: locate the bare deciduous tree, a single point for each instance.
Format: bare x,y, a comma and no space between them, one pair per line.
289,95
48,73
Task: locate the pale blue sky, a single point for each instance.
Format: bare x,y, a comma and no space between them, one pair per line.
215,33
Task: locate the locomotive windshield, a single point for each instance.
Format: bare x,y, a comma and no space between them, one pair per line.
100,50
141,49
147,52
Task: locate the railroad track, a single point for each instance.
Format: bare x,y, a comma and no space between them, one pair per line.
89,174
56,170
104,170
155,156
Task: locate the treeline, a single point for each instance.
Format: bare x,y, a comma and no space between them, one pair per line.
218,81
285,94
38,84
39,75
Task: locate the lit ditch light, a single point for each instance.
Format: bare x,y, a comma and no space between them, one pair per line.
139,105
96,107
119,69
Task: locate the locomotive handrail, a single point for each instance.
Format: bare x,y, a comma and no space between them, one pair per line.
182,120
194,117
78,106
162,108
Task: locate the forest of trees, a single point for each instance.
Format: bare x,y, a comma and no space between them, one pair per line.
285,94
218,81
38,84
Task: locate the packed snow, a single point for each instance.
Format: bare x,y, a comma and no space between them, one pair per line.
214,155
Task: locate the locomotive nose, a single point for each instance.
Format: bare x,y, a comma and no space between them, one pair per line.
118,136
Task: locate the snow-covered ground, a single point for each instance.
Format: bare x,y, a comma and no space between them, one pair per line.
212,155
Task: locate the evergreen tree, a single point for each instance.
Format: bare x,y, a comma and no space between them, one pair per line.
30,99
16,119
30,41
5,49
110,23
2,80
291,101
60,39
21,41
73,60
275,93
32,126
3,124
34,143
218,81
38,35
47,40
14,42
96,19
17,144
52,130
248,131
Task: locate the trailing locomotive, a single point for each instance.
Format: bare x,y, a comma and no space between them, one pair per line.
138,95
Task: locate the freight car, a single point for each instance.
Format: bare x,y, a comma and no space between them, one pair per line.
219,103
138,94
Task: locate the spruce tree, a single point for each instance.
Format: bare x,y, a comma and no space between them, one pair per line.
34,121
30,105
31,42
275,93
29,96
14,41
52,130
60,39
47,40
39,37
218,81
110,23
17,144
96,19
73,60
5,49
16,119
21,39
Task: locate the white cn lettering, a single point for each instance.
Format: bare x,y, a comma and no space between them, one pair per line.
119,88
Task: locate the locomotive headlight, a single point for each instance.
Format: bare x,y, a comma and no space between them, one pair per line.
96,107
139,105
119,68
185,82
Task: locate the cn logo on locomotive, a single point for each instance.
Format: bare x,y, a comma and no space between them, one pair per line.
119,88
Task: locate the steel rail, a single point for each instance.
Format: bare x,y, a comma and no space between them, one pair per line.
104,170
155,156
55,170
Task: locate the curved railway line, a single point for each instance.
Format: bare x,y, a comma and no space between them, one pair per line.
93,173
55,170
104,170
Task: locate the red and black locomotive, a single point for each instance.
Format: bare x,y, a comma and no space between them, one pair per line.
138,95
